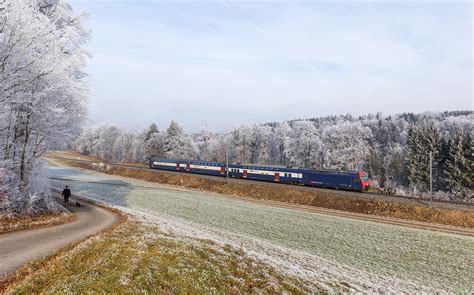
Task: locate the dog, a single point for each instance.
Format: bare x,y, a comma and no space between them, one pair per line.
78,204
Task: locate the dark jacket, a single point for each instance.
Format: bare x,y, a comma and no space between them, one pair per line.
66,192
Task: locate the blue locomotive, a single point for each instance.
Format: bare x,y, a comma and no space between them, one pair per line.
348,180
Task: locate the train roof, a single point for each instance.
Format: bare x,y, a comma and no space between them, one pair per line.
296,167
330,170
184,160
264,166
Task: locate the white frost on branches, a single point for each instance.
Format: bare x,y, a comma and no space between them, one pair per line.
43,95
116,144
177,144
346,145
385,145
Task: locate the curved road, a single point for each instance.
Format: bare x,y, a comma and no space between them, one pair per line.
18,248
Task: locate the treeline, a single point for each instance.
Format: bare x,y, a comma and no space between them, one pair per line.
394,150
42,96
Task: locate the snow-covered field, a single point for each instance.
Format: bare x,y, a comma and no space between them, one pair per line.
328,250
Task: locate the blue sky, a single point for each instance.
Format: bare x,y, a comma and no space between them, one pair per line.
225,63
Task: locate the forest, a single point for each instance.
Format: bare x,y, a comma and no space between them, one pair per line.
394,149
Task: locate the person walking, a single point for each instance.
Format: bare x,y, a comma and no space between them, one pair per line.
66,194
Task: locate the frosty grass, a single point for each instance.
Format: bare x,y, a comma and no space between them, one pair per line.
317,248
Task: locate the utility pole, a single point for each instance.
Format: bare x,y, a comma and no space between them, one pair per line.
227,164
431,177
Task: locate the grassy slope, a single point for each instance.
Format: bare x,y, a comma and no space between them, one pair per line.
136,258
427,257
31,222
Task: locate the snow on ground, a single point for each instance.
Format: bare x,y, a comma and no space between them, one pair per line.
330,250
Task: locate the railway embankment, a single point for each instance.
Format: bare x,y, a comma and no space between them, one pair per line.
329,199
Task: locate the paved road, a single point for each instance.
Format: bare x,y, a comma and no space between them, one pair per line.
18,248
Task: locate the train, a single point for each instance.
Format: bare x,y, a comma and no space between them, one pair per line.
336,179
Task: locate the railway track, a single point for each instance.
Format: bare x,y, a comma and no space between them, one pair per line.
343,214
370,195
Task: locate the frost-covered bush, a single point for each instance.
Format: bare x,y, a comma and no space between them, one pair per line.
101,167
33,197
417,193
374,184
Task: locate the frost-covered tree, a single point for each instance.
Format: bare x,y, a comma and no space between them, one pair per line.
177,144
154,146
282,141
105,145
85,143
239,144
203,143
258,144
42,92
423,138
307,145
346,145
153,143
123,147
111,143
138,150
459,166
373,163
393,167
152,130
